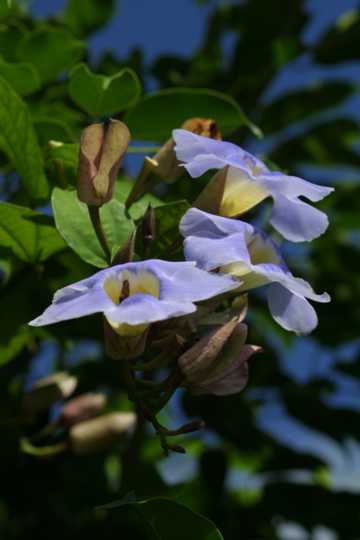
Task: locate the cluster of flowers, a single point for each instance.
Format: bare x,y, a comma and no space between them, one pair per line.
224,257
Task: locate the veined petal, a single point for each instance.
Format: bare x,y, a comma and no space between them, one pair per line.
296,220
291,311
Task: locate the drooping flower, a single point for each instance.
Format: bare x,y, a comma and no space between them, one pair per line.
237,248
217,363
134,295
244,181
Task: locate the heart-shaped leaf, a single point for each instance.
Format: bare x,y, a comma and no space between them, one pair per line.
99,95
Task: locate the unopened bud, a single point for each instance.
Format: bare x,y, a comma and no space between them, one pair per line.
102,147
99,434
47,391
82,408
166,165
217,364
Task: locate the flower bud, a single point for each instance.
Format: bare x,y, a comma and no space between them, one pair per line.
165,164
217,363
99,434
102,147
82,408
47,391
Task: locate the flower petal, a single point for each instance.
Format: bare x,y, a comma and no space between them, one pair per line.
184,282
297,221
201,154
195,222
292,312
143,308
72,303
297,286
212,253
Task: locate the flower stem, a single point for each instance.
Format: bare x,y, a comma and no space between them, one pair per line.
94,213
139,186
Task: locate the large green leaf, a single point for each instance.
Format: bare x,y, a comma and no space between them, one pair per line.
18,141
164,519
50,50
85,16
74,224
29,235
157,114
99,95
22,76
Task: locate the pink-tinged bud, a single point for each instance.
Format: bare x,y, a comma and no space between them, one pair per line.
102,147
217,363
47,391
82,408
165,164
99,434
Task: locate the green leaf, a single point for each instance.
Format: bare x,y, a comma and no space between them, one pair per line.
73,222
51,51
28,234
157,114
138,209
62,162
21,76
99,95
18,141
165,519
88,15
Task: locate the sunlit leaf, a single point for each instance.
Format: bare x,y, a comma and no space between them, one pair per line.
74,224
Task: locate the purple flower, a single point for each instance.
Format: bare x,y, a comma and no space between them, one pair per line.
239,249
133,295
246,181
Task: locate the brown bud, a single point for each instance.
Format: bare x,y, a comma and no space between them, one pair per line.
47,391
165,164
99,434
82,408
203,126
217,364
102,147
